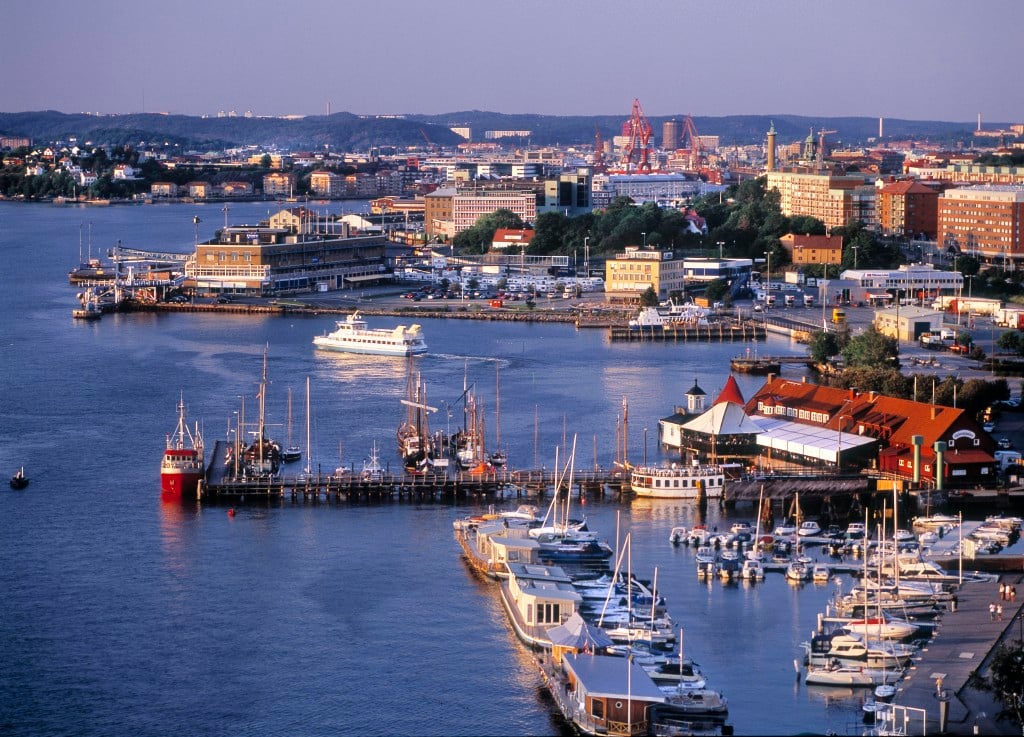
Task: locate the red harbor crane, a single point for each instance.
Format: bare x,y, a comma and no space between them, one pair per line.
638,145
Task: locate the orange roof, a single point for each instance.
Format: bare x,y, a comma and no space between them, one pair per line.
730,393
869,413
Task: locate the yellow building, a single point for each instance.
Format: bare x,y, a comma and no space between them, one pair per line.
630,274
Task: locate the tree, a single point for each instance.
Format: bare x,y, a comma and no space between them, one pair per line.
822,346
870,348
1007,680
649,298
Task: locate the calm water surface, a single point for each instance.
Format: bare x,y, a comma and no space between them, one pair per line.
121,615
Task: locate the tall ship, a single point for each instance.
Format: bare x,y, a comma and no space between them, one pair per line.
262,457
415,444
183,465
678,481
352,335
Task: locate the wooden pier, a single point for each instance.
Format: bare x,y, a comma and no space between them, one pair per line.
220,484
717,332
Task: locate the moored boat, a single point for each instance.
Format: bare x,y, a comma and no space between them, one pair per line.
678,481
182,465
352,335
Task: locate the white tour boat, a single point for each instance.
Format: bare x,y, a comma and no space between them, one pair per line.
353,336
678,481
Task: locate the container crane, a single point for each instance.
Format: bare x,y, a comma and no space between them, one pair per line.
639,143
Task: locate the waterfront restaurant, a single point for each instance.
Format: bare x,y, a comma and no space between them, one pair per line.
807,423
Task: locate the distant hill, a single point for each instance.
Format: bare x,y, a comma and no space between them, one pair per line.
348,132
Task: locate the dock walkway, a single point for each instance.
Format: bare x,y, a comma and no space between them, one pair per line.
961,647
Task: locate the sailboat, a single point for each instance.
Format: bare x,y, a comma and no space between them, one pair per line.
262,457
293,452
753,563
414,440
498,457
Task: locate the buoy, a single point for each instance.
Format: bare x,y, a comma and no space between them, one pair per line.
231,512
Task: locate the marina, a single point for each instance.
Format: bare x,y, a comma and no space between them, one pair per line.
178,594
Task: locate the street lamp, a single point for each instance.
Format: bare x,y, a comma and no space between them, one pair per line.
586,254
854,257
644,236
720,244
645,446
768,288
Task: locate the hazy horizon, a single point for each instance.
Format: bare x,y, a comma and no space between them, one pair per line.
909,60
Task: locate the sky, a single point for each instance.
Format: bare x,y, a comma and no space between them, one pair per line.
948,60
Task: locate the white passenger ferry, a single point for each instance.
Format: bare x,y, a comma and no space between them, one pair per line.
678,481
353,336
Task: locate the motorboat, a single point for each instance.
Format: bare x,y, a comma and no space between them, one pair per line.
810,528
752,570
856,531
707,561
678,535
820,573
798,571
786,529
729,565
683,676
850,649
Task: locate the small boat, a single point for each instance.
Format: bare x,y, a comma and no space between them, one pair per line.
753,570
90,310
19,480
820,573
810,528
883,627
292,452
798,571
754,365
678,535
353,336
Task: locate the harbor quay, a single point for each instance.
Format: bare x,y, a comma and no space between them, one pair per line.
938,695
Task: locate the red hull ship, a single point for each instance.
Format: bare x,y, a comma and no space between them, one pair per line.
182,465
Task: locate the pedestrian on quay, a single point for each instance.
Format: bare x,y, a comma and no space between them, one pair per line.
1002,591
992,610
999,612
1013,594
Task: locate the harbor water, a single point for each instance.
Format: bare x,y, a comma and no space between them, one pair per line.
124,615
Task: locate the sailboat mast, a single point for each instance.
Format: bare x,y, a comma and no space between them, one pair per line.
309,453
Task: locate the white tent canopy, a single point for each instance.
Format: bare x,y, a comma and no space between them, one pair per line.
725,418
810,441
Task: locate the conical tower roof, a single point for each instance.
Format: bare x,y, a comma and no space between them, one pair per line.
730,393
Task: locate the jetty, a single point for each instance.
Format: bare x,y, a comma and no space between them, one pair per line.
221,484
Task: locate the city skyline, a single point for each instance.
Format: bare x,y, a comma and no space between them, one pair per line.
914,60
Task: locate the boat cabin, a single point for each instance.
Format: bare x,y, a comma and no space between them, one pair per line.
541,597
500,544
613,695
